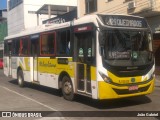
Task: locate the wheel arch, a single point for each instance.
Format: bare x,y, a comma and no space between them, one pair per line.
20,77
19,68
62,74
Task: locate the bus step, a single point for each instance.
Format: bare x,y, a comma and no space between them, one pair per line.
84,93
36,82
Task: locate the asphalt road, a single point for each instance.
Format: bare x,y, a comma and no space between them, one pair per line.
39,98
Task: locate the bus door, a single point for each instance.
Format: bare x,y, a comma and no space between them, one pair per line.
34,59
85,60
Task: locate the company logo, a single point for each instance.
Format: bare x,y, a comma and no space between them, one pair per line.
6,114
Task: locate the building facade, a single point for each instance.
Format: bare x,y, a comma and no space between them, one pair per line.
22,13
150,9
3,29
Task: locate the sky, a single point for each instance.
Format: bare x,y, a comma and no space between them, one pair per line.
3,4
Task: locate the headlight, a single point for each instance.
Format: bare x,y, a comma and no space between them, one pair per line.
105,78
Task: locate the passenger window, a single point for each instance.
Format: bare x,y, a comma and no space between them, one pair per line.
6,51
48,44
24,46
64,43
16,47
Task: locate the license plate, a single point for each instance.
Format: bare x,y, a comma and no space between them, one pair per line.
131,88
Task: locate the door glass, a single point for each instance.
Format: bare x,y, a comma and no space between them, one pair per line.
86,47
85,59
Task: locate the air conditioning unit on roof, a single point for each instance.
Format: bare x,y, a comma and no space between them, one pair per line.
131,5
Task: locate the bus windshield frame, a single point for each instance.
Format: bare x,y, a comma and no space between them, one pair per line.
127,47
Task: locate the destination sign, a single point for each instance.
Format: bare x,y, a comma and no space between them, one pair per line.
123,21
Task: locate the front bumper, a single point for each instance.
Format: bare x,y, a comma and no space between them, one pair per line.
115,91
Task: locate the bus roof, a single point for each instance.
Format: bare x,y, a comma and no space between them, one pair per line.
49,27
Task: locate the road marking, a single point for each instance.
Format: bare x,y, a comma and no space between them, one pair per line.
29,98
44,118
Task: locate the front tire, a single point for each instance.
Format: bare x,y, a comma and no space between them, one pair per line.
67,88
20,78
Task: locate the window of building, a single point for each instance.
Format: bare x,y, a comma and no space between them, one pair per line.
47,44
13,3
24,46
127,1
64,43
109,0
16,47
91,6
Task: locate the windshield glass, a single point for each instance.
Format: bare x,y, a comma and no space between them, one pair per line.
135,46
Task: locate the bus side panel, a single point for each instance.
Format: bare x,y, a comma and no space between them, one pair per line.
68,67
6,65
94,82
24,64
26,69
49,80
49,71
46,72
14,66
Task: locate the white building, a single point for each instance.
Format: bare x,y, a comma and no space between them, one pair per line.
22,13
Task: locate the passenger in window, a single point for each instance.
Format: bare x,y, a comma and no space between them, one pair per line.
68,48
44,49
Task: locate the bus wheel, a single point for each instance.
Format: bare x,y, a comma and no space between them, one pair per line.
67,88
20,78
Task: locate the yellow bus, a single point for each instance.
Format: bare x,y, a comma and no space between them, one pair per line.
100,56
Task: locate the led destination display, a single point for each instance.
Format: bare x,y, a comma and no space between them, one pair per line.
123,21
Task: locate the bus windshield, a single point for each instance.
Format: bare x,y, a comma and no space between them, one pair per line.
135,46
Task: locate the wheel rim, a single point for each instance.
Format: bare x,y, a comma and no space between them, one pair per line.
20,80
67,87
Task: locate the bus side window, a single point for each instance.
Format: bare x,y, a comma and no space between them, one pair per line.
48,44
16,47
24,46
6,51
64,43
